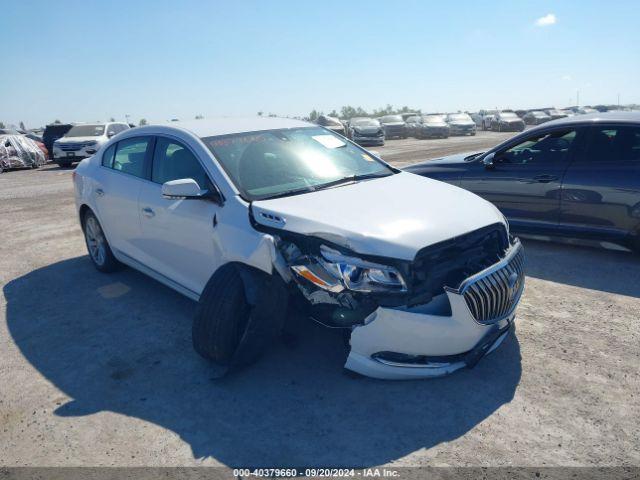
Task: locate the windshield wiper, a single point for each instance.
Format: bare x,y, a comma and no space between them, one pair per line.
287,193
351,178
340,181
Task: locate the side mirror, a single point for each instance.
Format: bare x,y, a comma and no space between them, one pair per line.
488,161
185,188
110,133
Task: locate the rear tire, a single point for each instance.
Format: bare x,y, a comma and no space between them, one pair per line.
97,245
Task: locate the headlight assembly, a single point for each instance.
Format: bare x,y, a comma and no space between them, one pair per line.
335,272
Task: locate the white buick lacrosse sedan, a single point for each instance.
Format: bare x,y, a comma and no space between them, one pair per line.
245,215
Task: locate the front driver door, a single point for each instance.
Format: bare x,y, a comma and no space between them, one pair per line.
179,236
525,179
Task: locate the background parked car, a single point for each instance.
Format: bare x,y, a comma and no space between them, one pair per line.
576,177
394,126
460,124
429,126
366,131
555,114
507,122
406,115
52,133
18,151
82,141
483,118
536,117
332,124
585,110
38,141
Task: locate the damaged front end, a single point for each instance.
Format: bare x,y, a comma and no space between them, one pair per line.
342,289
444,310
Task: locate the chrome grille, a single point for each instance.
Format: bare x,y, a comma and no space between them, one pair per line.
493,294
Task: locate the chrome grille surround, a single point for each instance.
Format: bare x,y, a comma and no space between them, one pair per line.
493,294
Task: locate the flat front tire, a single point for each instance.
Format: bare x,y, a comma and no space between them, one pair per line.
233,326
99,250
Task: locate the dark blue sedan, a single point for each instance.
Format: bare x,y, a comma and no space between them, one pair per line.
575,177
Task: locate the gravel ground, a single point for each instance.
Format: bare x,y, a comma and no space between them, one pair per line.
412,150
99,370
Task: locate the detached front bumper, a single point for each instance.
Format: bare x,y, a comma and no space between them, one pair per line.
422,342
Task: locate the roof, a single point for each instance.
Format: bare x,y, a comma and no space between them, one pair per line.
618,117
228,125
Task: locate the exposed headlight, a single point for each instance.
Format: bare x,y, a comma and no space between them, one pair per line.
333,271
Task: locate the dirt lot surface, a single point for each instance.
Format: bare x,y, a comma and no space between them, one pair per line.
99,370
412,150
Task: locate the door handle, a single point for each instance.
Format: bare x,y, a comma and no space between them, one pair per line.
148,212
545,178
99,192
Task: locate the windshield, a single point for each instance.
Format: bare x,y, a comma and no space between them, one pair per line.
365,122
460,117
432,119
86,131
275,163
391,119
509,116
539,114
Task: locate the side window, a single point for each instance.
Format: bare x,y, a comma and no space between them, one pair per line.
613,144
545,148
111,129
173,161
107,156
130,155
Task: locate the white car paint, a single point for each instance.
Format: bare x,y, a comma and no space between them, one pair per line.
393,217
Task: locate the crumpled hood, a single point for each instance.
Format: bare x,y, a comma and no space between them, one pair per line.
394,216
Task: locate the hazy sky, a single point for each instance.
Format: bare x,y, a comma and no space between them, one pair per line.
91,60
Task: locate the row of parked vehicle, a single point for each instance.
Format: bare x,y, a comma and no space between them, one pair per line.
374,131
66,143
515,120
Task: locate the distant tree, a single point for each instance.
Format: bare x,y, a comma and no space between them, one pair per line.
272,115
260,114
199,117
112,119
2,125
350,112
57,122
333,113
313,116
22,127
143,122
